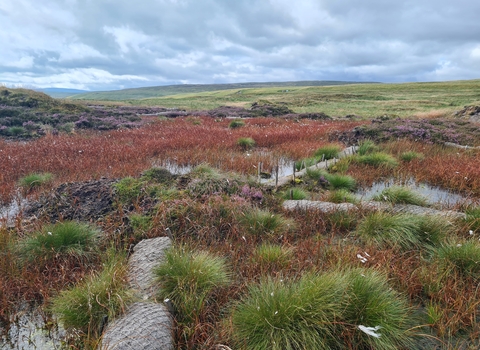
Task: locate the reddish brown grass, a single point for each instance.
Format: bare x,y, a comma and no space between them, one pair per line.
120,153
450,168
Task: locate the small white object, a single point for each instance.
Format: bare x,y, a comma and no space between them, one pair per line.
363,259
370,330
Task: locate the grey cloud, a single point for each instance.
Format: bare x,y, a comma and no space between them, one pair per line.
107,43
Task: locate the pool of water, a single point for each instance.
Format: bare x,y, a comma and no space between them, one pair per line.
434,195
9,213
30,329
175,168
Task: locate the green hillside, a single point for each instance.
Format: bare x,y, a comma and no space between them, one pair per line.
168,90
365,100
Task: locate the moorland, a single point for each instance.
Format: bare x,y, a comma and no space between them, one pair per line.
93,178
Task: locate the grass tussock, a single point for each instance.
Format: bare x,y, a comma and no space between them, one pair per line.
64,240
260,222
276,314
188,278
461,257
366,147
35,180
403,231
337,182
237,123
473,219
400,195
84,306
328,152
409,156
246,143
337,309
268,254
332,181
341,196
371,302
377,159
295,193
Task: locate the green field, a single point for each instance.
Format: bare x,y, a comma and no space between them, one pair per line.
169,90
366,100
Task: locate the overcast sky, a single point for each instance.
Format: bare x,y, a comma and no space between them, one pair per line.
115,44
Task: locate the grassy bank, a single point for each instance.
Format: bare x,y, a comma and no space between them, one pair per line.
366,100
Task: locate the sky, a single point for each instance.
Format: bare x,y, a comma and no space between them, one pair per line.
117,44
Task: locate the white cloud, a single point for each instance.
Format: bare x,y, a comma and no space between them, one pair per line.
127,38
105,44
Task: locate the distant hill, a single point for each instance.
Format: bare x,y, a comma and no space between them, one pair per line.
61,93
168,90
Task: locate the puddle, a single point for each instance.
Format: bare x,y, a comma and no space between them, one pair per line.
175,168
285,168
434,195
28,330
9,213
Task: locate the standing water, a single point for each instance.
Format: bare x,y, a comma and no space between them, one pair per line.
434,195
30,329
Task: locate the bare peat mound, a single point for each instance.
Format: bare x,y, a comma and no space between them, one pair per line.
84,201
439,130
262,109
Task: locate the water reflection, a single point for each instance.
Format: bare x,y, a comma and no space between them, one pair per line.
30,329
434,195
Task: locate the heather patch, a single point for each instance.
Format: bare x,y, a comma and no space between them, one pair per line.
433,131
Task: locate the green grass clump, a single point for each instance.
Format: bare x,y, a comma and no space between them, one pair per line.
259,222
128,189
377,159
337,181
159,175
432,230
187,278
208,186
400,195
289,315
328,152
463,257
342,165
333,181
237,123
473,219
341,220
326,311
366,147
64,240
140,224
271,254
83,307
16,130
316,174
205,171
246,143
295,194
35,180
411,155
341,196
405,231
371,302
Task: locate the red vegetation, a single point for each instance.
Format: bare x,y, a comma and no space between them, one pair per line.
91,155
